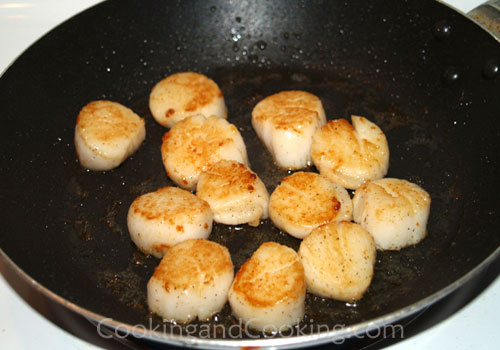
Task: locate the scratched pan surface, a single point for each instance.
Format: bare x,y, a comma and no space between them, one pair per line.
424,73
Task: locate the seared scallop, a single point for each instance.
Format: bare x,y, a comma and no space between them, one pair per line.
181,95
195,143
158,220
304,201
192,281
235,194
394,211
269,290
338,260
286,122
350,155
106,134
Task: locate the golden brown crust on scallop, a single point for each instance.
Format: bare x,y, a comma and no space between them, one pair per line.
174,201
312,204
229,177
350,154
394,211
202,90
293,119
195,143
338,260
294,99
404,194
107,121
194,263
262,285
401,198
341,129
289,110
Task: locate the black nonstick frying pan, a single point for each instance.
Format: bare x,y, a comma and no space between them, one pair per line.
425,74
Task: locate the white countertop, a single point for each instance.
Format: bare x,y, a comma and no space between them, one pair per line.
21,327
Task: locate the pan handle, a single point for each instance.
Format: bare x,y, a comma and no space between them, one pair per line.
487,15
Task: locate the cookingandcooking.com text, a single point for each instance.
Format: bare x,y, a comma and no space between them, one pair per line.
242,331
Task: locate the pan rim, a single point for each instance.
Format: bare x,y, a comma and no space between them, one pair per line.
294,342
471,18
333,336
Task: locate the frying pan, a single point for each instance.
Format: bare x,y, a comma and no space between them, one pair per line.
424,73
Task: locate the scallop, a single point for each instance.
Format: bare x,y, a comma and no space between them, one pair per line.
268,292
304,201
394,211
235,194
185,94
286,122
158,220
191,281
106,134
338,260
350,155
197,142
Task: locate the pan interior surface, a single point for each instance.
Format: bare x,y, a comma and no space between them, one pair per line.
428,88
